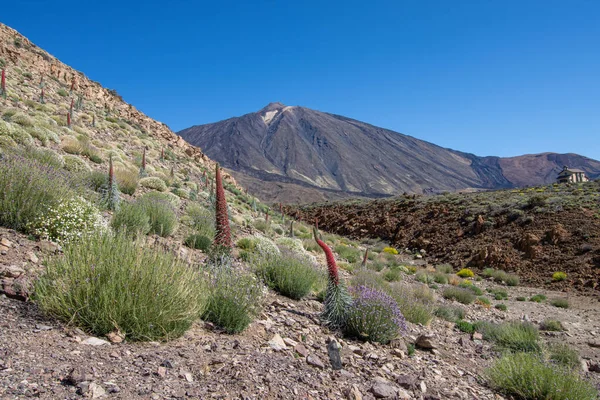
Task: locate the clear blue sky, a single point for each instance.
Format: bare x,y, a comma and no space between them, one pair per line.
497,77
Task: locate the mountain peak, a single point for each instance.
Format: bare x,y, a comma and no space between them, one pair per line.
272,107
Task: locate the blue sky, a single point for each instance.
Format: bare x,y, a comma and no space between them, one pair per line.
487,77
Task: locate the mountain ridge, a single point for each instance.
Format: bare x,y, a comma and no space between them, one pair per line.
294,145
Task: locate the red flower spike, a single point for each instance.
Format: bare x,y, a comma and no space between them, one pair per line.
111,172
68,120
223,235
3,84
364,263
267,216
144,159
332,267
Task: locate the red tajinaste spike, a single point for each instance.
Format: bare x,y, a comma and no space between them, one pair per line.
111,172
332,267
267,216
3,81
364,263
144,159
223,234
69,120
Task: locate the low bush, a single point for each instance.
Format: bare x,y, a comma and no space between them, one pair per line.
563,355
472,288
463,296
246,244
512,280
501,307
371,280
350,254
234,299
262,225
527,376
499,294
28,189
69,220
392,275
198,242
512,336
441,278
161,214
202,220
373,316
96,180
465,273
538,298
416,303
287,274
154,183
560,303
131,218
127,181
390,250
450,313
108,283
551,325
424,277
559,276
464,326
75,164
483,301
521,298
444,269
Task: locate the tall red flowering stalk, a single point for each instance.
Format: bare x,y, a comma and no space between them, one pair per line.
223,234
111,172
143,173
42,96
332,267
267,216
3,83
337,298
162,153
364,262
69,120
280,208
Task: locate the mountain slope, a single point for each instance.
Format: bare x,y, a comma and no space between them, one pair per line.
296,146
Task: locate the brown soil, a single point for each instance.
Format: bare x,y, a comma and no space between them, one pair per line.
534,246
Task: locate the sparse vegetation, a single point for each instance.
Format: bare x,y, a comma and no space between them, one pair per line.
463,296
560,303
527,376
105,283
287,274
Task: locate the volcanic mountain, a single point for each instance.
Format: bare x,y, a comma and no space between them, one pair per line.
295,154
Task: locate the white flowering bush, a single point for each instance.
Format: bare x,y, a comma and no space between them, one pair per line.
69,220
264,246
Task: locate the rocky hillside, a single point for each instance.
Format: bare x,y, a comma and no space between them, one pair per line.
533,232
281,151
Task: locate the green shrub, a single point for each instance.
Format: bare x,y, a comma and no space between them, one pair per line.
154,183
465,273
373,316
444,269
469,286
69,220
201,219
560,303
512,336
551,325
262,225
163,219
107,283
234,299
348,253
559,276
463,296
521,298
287,274
488,272
96,180
499,294
500,276
464,326
440,278
62,92
424,277
28,189
127,181
75,164
369,279
527,376
450,313
377,266
392,275
512,280
246,244
538,298
563,355
501,307
198,242
415,303
131,218
484,301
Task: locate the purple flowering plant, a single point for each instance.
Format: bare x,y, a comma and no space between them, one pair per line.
373,316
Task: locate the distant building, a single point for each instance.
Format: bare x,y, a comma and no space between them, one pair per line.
571,175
